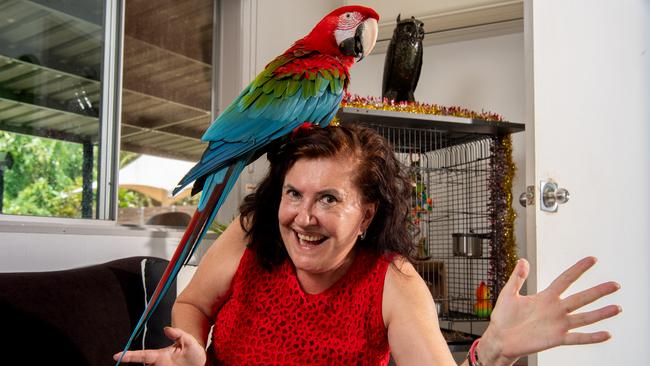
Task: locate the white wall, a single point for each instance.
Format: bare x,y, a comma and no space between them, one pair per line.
41,244
486,73
389,9
589,72
282,22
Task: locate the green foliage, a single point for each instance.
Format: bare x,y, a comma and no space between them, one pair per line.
35,159
127,157
129,198
44,175
189,201
46,179
41,199
217,227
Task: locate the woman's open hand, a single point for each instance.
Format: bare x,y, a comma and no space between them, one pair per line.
521,325
185,351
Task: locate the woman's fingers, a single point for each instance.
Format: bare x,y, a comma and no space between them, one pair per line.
586,338
180,338
591,317
185,350
517,278
173,333
568,277
582,298
145,356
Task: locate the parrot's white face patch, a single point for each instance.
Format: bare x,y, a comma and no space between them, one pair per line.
343,34
347,26
357,38
321,215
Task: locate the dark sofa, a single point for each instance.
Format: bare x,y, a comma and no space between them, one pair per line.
80,316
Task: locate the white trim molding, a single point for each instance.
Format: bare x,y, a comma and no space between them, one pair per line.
463,24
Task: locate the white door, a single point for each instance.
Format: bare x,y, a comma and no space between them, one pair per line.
588,128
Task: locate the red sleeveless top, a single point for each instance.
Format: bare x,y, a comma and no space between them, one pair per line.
269,320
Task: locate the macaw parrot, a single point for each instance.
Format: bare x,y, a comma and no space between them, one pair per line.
305,84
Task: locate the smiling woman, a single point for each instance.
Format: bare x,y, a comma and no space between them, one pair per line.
338,183
321,216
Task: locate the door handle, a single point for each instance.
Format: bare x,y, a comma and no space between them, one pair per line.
551,196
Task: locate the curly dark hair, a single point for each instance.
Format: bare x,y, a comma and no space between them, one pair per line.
379,178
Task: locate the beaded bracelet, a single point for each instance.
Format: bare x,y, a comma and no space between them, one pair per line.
472,355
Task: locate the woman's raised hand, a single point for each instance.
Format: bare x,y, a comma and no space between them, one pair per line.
521,325
185,351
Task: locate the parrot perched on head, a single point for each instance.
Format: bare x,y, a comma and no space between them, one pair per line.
305,84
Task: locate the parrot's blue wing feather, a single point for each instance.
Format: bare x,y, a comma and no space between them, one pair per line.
237,132
237,168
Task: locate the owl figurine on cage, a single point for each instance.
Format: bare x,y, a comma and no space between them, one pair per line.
403,61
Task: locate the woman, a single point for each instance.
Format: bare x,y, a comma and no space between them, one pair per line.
320,274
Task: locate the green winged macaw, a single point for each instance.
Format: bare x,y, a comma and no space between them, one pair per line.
305,84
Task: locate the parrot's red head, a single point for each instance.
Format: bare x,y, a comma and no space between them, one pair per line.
349,32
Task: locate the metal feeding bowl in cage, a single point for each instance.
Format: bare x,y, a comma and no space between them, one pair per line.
468,244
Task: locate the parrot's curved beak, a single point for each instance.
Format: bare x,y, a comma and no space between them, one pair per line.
362,43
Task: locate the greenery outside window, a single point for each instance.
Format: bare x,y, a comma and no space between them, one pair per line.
51,59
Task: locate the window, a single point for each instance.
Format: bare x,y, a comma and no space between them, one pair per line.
51,56
166,102
58,132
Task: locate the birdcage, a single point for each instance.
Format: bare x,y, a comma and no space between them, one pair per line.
450,163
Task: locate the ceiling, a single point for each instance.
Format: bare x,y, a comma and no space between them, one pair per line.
449,20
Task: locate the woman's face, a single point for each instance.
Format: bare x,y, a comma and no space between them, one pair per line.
321,215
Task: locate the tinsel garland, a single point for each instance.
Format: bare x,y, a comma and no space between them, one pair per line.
503,248
384,104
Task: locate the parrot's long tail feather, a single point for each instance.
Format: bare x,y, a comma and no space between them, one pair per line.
195,231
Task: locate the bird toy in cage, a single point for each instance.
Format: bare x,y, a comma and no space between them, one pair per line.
483,305
422,204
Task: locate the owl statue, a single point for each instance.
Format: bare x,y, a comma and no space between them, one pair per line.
403,61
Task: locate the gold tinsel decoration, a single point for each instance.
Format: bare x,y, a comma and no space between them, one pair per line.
384,104
509,243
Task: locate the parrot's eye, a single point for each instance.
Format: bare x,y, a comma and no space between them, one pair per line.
348,15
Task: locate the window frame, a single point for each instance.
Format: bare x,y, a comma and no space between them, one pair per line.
110,123
111,107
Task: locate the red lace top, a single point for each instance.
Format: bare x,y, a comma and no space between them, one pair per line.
269,320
